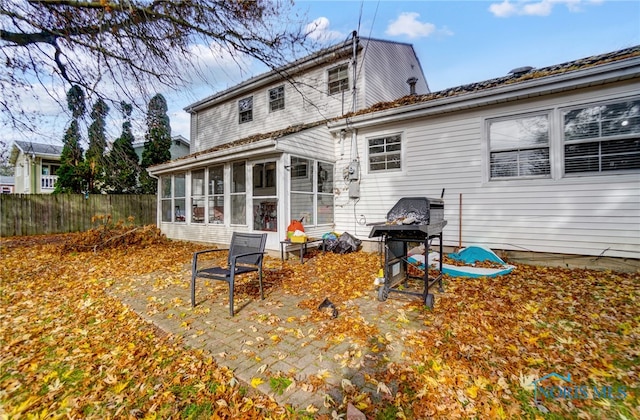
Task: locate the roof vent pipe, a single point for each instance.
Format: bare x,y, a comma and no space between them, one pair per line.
412,85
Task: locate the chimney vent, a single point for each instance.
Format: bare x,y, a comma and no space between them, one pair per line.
412,85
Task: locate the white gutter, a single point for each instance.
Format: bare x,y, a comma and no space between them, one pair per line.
216,156
618,71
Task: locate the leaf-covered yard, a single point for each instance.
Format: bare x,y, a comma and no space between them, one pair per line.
70,349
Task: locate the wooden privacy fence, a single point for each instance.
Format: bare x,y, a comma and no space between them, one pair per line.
36,214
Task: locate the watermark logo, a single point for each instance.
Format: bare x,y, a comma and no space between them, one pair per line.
562,388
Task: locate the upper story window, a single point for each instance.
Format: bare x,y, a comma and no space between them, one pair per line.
339,79
245,109
519,146
385,153
602,137
276,98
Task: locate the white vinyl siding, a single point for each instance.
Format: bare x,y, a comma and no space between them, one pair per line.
380,78
586,215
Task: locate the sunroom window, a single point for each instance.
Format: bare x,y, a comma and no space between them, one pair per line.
602,138
197,196
311,191
238,193
216,194
173,198
519,146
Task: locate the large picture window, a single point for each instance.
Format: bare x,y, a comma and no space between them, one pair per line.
602,137
338,79
311,191
519,146
385,153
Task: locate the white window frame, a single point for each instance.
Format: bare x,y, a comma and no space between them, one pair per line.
235,193
337,83
198,197
520,151
245,115
313,173
277,103
213,196
386,154
599,139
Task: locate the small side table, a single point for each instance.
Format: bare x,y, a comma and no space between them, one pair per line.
303,246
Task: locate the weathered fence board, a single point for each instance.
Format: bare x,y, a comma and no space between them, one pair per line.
37,214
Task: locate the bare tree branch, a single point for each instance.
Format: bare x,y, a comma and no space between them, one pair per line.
123,49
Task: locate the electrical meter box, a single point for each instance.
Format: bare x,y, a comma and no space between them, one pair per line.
354,170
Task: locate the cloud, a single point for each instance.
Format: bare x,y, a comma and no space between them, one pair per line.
408,24
536,8
319,30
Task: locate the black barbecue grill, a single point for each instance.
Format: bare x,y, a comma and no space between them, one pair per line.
412,220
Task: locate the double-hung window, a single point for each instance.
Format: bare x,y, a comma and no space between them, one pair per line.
245,109
519,146
338,79
385,153
276,98
602,137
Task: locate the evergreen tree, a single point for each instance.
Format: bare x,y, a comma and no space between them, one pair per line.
157,142
70,173
123,168
94,159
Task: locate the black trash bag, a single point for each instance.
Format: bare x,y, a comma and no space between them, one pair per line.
344,244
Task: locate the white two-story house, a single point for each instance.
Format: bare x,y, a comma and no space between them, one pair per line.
541,160
261,153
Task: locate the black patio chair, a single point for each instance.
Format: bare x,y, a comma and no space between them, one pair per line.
246,253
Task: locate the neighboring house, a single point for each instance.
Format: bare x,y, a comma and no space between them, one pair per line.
179,147
7,184
36,167
544,160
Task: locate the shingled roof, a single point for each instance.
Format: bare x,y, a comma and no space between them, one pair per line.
522,75
514,77
39,148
